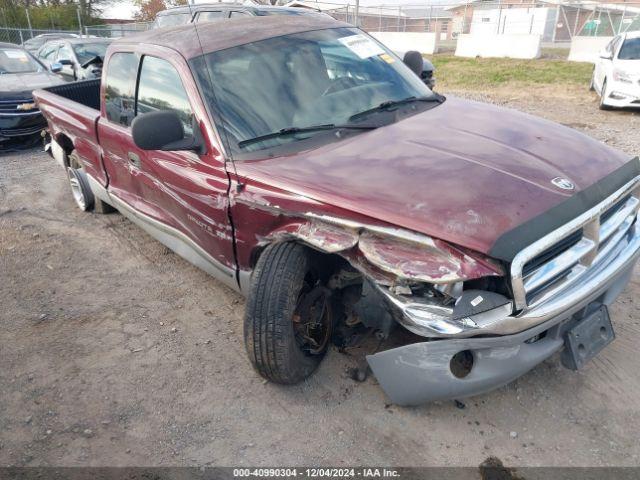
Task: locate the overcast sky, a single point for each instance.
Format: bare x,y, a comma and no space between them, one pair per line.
125,10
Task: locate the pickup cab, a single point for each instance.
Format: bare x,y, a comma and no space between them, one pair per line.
302,163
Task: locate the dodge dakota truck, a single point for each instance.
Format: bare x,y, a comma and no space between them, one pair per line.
302,163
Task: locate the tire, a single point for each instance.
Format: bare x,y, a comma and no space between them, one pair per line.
86,201
592,85
285,297
603,95
82,194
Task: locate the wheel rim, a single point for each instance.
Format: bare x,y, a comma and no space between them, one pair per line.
76,189
312,317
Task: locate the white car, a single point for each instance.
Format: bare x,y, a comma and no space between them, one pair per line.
616,76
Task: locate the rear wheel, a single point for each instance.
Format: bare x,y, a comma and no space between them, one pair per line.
289,318
82,193
79,183
592,84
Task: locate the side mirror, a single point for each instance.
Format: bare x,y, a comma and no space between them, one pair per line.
55,67
65,61
163,130
414,61
427,74
605,55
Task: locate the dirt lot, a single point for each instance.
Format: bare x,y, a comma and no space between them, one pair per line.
114,351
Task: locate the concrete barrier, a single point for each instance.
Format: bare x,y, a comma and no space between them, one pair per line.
493,45
423,42
587,49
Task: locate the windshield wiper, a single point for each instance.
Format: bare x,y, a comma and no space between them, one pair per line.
390,104
284,132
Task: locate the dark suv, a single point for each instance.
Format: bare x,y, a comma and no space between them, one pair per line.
212,12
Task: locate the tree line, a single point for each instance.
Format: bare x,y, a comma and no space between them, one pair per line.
63,14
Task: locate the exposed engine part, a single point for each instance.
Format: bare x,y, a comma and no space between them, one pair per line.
372,310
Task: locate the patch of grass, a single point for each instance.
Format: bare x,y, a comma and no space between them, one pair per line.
479,73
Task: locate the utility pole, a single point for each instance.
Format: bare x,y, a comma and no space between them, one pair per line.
79,20
29,22
356,12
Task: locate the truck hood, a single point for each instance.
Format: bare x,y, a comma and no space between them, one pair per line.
20,85
465,172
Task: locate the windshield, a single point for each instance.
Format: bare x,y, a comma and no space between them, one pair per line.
630,49
88,51
172,20
312,78
14,60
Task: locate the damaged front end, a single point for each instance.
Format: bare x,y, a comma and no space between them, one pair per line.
433,289
428,286
467,335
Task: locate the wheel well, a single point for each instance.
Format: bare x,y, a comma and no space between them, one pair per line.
67,145
328,263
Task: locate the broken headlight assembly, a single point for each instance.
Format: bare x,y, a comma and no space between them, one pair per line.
440,290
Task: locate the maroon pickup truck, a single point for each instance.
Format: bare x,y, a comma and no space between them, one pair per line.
300,162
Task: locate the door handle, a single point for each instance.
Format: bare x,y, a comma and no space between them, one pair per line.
134,159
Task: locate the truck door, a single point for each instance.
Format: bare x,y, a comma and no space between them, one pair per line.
181,196
120,155
185,190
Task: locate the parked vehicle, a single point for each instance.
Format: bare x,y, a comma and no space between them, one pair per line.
344,197
214,12
616,76
33,44
75,59
20,74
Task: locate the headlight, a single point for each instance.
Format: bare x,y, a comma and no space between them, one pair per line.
473,313
621,76
433,261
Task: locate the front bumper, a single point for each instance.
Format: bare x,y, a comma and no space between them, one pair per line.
19,125
623,95
422,372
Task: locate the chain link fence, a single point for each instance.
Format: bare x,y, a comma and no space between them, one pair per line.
21,35
117,30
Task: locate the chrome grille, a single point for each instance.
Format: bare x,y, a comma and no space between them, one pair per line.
561,258
11,106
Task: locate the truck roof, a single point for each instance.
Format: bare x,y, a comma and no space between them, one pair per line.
214,36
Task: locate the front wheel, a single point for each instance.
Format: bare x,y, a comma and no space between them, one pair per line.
288,320
603,96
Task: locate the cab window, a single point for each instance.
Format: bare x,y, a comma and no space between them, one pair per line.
120,88
172,20
160,88
211,16
48,52
65,53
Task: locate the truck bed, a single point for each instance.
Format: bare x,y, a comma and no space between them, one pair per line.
72,111
86,92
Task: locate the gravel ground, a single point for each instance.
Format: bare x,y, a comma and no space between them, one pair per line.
114,351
